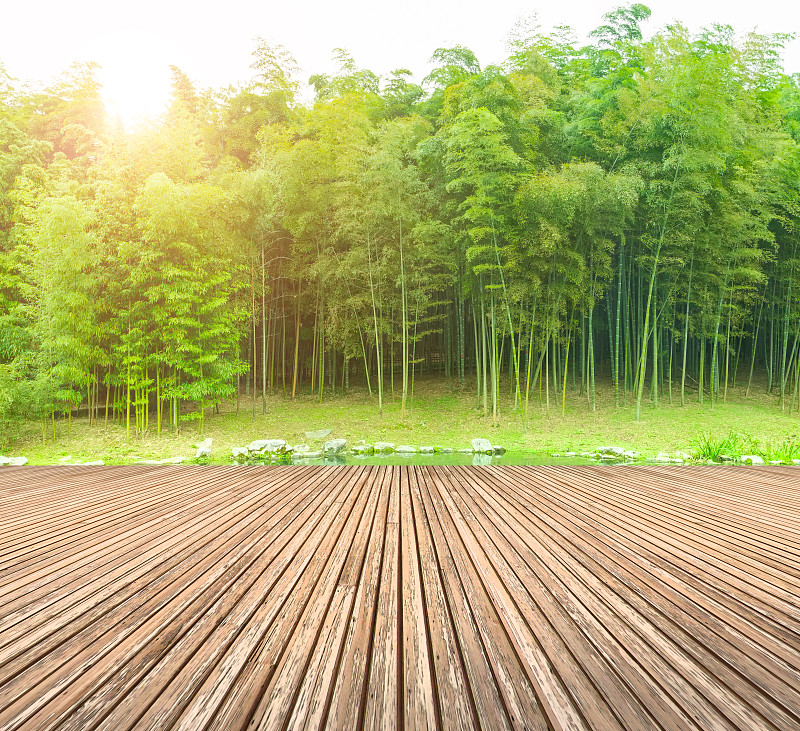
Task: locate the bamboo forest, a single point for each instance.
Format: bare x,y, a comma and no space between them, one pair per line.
622,215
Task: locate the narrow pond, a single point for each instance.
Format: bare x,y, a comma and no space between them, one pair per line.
509,458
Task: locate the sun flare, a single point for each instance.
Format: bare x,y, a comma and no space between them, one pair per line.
135,75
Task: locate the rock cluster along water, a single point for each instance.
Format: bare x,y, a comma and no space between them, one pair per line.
272,450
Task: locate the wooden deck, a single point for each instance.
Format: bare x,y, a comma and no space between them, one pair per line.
386,597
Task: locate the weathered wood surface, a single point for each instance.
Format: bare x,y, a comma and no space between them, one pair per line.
399,597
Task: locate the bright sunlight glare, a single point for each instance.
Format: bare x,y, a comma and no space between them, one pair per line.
135,74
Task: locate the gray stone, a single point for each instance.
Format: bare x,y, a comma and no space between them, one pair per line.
630,454
203,448
173,460
312,455
497,449
301,448
683,455
384,447
426,450
443,450
334,446
465,450
237,452
263,446
662,457
276,446
483,446
796,461
318,434
751,459
590,455
95,463
406,449
617,451
775,462
570,454
65,459
676,460
608,457
257,445
13,461
363,450
480,459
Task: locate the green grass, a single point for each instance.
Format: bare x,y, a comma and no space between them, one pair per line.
437,417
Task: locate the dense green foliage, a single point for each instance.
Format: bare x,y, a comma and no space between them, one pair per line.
627,210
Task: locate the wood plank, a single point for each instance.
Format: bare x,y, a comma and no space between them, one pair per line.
200,598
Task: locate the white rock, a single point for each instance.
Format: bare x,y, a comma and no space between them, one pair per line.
384,447
426,450
275,445
95,463
257,445
204,448
267,445
237,452
497,449
406,449
683,455
751,459
318,434
334,446
482,446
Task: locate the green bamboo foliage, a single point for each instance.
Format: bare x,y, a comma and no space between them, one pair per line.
612,218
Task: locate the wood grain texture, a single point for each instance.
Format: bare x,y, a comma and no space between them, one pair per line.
367,597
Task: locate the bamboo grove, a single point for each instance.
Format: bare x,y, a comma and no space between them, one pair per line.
625,211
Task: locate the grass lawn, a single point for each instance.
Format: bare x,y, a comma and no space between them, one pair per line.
437,416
